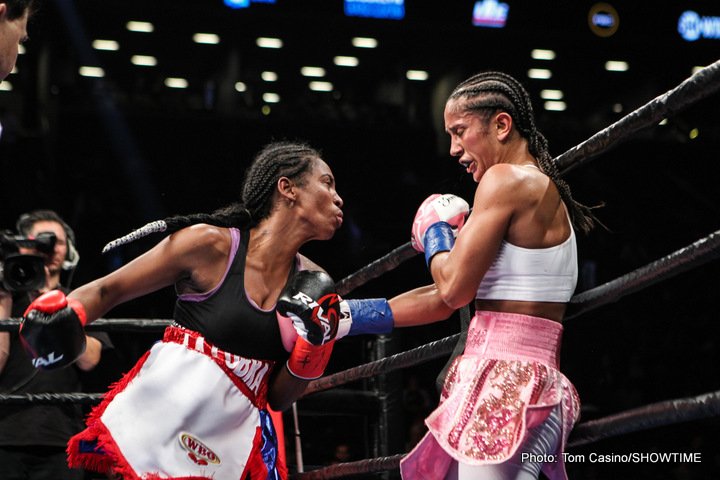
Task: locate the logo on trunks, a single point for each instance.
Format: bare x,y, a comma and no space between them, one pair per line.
251,372
198,452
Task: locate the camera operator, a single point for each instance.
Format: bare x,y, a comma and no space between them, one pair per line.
33,438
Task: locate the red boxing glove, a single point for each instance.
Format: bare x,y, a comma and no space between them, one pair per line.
52,330
308,361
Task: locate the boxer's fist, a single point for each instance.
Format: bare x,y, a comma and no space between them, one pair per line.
310,301
52,330
447,208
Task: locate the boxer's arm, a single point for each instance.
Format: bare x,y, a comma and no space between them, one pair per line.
188,254
458,272
419,306
285,389
91,357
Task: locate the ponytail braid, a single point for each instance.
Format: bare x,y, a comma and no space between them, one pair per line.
488,92
278,159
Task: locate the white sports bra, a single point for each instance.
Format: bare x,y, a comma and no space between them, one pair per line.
532,274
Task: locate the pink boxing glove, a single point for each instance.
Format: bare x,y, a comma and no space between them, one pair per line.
437,222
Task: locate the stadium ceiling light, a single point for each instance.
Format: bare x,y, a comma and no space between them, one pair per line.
175,82
549,94
321,86
206,38
539,73
555,105
542,54
616,66
143,60
364,42
342,61
419,75
312,72
142,27
110,45
88,71
268,42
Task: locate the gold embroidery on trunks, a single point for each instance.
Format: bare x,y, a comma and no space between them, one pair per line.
498,418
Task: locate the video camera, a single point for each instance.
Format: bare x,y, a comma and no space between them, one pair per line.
22,272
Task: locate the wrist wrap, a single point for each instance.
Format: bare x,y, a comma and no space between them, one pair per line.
438,238
370,316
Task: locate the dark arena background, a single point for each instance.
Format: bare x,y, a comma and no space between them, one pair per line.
149,124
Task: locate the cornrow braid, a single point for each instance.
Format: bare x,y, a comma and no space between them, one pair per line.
488,92
280,159
276,160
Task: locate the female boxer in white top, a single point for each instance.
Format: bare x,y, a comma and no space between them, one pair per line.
506,410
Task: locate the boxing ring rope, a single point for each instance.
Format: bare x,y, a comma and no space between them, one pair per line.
50,398
701,84
106,325
646,417
375,269
424,353
687,258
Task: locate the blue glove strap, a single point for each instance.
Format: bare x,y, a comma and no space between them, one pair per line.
438,238
370,316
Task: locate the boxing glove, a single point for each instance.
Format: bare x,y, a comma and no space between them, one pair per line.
52,331
437,223
308,361
310,302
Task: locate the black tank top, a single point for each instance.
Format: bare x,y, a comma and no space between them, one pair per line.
227,318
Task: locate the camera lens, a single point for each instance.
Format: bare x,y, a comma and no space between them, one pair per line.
23,273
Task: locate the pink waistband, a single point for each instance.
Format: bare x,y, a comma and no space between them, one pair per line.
512,336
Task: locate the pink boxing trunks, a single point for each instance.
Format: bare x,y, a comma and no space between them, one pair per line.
187,410
506,382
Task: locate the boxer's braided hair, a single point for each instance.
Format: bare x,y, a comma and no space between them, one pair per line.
278,159
487,92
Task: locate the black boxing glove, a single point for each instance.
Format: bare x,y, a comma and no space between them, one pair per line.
52,330
310,301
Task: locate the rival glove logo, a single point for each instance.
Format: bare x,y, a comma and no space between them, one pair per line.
49,359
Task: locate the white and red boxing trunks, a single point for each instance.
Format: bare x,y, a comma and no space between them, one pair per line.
185,411
506,382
